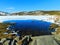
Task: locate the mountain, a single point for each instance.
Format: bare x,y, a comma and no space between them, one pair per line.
3,13
37,12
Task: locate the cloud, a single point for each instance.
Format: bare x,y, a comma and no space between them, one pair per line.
10,9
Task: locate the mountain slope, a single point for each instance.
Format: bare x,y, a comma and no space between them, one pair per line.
38,12
3,13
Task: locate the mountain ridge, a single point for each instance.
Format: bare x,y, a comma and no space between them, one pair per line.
3,13
37,12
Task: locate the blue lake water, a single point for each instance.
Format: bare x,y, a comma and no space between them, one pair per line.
30,25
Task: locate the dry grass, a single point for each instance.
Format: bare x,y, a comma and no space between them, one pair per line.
3,30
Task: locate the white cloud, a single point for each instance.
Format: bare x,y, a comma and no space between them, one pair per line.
10,9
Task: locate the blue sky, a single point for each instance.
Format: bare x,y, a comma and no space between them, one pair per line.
28,5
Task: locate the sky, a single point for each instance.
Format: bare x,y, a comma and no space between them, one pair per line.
28,5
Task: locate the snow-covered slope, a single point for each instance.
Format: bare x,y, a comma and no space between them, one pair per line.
3,13
47,18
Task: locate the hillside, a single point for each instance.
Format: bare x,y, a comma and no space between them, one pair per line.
3,13
38,12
